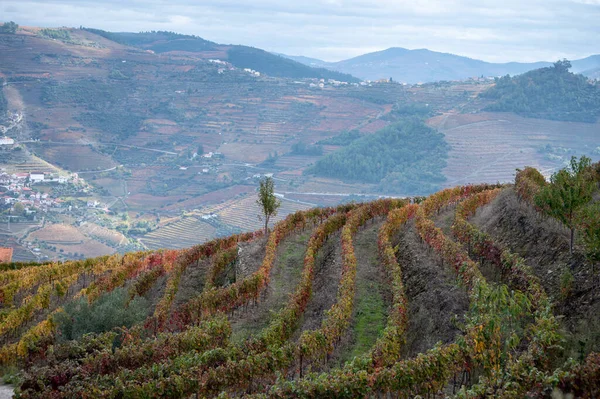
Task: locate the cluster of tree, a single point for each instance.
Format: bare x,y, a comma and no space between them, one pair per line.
547,93
342,139
109,311
306,149
117,123
277,66
91,93
143,38
406,157
58,34
569,198
9,27
407,110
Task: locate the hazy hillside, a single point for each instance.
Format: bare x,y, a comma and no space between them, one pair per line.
422,65
274,65
549,93
240,56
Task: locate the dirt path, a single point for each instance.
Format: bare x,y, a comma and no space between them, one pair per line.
6,391
434,298
544,244
372,298
285,276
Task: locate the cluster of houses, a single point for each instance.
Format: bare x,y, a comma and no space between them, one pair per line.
21,185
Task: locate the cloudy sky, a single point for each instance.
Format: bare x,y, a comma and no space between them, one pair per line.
492,30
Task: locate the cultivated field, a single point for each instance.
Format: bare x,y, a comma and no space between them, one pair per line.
457,296
491,146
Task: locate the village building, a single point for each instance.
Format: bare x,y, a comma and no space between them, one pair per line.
6,141
36,177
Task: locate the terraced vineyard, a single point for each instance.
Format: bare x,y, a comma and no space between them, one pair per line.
445,296
181,234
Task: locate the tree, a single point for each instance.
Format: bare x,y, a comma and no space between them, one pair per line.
562,65
9,27
200,150
267,201
18,208
569,190
589,225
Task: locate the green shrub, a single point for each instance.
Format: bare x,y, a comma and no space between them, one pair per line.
109,311
566,283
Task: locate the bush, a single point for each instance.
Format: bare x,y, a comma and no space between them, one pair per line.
109,311
9,27
59,34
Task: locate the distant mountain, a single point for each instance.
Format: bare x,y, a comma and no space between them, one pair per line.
239,56
593,73
586,64
277,66
414,66
313,62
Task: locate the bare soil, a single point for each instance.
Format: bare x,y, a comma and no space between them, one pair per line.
544,244
285,276
192,281
435,299
250,256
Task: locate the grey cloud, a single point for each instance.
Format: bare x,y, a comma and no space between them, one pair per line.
512,30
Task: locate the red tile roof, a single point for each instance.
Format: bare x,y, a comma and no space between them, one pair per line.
6,255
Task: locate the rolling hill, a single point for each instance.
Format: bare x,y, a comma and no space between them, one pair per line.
550,93
362,300
240,56
422,65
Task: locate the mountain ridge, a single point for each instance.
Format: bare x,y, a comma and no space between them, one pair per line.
423,65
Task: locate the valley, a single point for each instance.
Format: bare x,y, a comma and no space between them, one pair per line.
170,140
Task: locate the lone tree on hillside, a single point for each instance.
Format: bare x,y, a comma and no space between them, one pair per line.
569,190
9,27
267,201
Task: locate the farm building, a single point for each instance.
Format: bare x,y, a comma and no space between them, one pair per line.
6,255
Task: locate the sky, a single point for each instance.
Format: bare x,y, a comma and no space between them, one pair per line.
332,30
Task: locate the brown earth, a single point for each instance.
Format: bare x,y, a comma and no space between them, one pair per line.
285,276
434,297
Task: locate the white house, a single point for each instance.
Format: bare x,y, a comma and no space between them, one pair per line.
6,141
35,177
